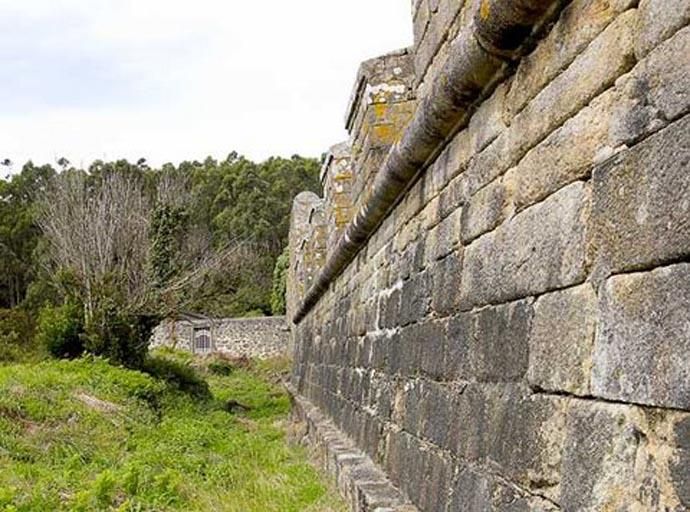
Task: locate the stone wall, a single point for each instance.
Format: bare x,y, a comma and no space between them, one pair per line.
514,334
263,337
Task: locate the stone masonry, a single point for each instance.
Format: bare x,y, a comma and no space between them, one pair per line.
491,304
262,337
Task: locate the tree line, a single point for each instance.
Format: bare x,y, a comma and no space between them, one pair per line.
92,258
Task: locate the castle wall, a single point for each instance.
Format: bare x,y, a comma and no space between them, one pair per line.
514,335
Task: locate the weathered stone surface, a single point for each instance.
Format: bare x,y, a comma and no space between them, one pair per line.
435,34
403,464
641,204
381,104
488,122
578,25
444,238
436,484
472,492
540,249
659,19
599,458
362,483
680,467
524,436
382,80
389,307
452,196
663,80
618,457
653,94
485,210
439,414
421,349
476,492
415,300
609,56
643,340
446,274
421,16
568,154
561,341
301,228
490,345
336,180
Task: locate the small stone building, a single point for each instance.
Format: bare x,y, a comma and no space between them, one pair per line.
261,337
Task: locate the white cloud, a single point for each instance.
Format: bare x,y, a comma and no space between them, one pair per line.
173,80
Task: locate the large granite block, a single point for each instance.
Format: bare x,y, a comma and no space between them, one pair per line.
641,204
659,19
561,340
642,347
540,249
490,345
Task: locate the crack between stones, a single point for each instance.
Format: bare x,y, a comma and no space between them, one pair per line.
539,391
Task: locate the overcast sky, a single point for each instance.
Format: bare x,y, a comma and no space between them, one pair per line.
171,80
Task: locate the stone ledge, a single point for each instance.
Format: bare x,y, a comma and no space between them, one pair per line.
364,485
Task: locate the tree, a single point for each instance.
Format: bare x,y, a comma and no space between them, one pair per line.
238,198
63,163
97,228
157,237
128,252
20,235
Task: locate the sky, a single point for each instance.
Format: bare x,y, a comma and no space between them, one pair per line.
173,80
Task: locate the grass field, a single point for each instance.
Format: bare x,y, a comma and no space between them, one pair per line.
86,436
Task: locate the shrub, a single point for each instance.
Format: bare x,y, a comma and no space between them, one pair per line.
16,335
60,330
178,375
10,349
122,338
220,367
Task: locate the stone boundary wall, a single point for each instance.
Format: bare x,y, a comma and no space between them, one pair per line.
263,337
513,333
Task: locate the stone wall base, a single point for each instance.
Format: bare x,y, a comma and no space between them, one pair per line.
362,484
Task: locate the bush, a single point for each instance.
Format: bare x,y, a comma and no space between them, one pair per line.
220,367
222,364
16,335
178,375
60,330
10,348
120,337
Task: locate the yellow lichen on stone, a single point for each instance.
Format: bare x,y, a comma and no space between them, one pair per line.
380,110
485,10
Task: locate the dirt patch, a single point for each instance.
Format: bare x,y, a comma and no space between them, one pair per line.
96,403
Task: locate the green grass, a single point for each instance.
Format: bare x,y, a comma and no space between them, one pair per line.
86,436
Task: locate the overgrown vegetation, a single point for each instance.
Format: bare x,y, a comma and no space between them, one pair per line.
17,341
94,258
90,260
83,435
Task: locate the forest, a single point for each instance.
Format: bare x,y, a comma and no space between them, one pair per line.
93,258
